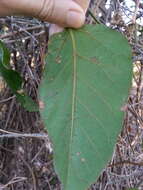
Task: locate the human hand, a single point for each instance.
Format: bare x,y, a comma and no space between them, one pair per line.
66,13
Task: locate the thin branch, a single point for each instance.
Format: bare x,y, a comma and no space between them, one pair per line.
25,135
5,100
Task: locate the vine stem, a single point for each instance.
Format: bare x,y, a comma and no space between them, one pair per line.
94,18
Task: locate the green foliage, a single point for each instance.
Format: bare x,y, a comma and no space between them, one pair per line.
27,102
4,56
85,84
14,80
133,189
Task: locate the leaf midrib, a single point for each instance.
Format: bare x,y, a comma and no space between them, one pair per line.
73,102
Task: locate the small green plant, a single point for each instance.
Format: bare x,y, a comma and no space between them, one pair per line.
84,86
14,80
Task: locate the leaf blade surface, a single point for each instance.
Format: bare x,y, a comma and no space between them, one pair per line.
85,84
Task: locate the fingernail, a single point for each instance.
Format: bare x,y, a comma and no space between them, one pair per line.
75,19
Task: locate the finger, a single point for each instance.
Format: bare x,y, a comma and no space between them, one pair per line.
62,12
54,28
66,13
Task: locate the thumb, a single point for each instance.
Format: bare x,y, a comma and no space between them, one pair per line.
65,13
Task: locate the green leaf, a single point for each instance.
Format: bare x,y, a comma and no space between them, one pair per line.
27,102
14,80
4,56
85,85
12,77
133,189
